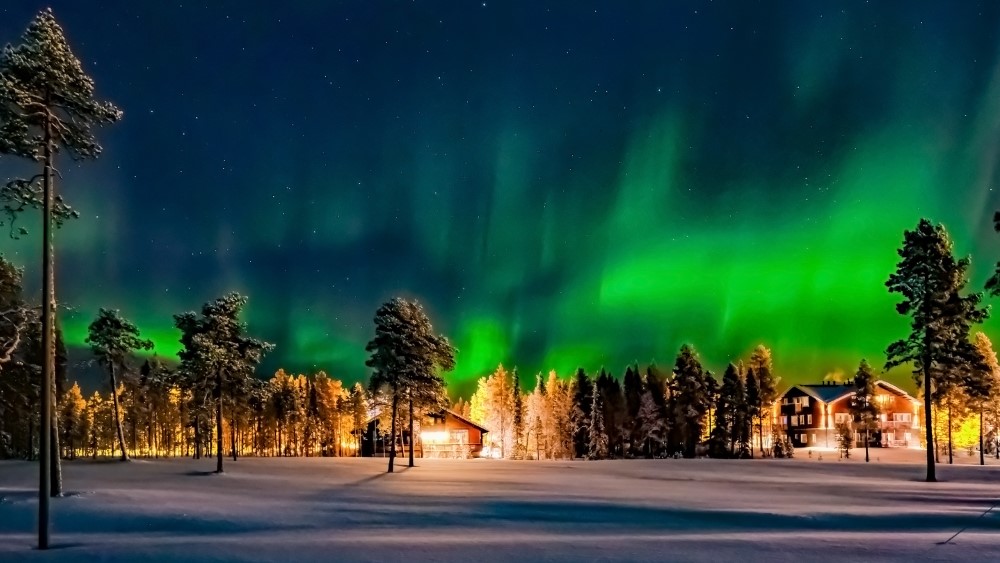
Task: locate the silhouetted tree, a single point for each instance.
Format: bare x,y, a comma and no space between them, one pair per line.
691,398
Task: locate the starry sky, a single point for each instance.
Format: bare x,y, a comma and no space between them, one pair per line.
561,184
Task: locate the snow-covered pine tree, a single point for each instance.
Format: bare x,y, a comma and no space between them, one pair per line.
47,105
217,353
113,340
652,430
862,405
597,436
517,415
930,280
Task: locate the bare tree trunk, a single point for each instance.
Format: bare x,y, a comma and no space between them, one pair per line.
411,428
982,455
392,432
118,419
867,439
218,421
232,429
950,454
48,345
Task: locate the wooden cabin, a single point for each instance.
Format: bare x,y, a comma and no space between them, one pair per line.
445,434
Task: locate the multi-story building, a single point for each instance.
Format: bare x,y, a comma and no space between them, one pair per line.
809,415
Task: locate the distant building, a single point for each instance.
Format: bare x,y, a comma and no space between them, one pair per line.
445,434
809,415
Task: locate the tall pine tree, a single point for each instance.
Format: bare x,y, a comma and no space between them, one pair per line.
930,280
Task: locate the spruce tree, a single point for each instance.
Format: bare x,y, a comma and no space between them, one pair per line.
517,411
583,398
633,390
930,280
691,399
597,436
725,433
862,405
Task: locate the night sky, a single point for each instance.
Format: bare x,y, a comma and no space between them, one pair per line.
560,183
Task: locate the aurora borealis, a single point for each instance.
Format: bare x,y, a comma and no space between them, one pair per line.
560,183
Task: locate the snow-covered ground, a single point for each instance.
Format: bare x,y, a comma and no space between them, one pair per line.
486,510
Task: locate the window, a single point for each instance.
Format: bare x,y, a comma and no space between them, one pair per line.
812,438
841,417
802,438
805,401
809,419
902,417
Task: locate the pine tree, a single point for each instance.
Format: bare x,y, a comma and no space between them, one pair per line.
752,405
47,105
216,353
405,355
517,412
583,389
113,339
597,436
931,280
862,405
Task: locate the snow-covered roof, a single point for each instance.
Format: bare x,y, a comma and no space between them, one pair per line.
826,393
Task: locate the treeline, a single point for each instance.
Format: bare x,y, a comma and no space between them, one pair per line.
287,415
684,412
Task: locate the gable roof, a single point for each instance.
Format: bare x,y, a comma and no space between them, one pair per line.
827,393
832,393
466,420
895,390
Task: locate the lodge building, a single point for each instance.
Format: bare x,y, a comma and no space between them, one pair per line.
444,434
809,415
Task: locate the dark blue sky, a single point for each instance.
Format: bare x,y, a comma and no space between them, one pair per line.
561,183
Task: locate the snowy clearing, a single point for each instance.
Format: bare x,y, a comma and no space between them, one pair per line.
484,510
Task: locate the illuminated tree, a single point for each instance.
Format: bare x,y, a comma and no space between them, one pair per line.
216,351
862,405
767,389
113,340
930,280
652,430
990,404
597,436
359,414
405,355
517,415
73,420
751,408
